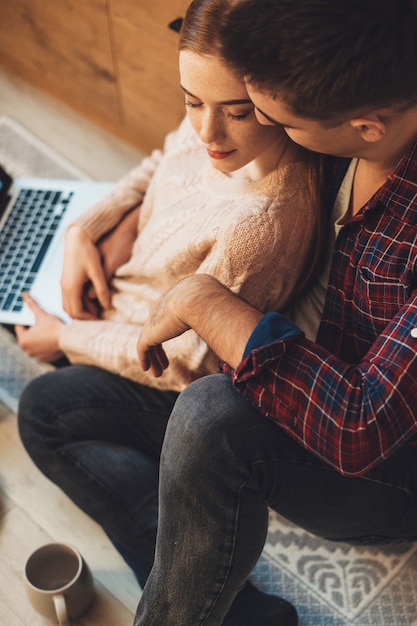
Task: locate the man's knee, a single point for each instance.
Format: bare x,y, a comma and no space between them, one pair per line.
207,422
206,404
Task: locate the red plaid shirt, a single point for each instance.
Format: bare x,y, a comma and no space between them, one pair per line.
351,397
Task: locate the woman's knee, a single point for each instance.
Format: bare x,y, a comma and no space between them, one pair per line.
43,405
30,402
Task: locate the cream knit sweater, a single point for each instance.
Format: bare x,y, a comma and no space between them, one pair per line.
252,236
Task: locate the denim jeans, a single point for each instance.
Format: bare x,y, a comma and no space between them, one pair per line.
98,436
222,465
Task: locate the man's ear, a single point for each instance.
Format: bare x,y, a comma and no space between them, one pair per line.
371,127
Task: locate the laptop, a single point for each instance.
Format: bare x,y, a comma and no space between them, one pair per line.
34,214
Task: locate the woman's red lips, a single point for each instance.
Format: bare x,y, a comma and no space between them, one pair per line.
218,155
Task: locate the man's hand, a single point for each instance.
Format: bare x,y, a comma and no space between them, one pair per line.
164,322
88,266
222,319
116,246
40,340
82,269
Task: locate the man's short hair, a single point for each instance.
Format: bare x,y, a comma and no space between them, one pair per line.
326,58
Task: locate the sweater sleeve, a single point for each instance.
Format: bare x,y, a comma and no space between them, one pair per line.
127,194
129,191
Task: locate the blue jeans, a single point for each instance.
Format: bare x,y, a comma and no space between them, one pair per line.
99,437
222,465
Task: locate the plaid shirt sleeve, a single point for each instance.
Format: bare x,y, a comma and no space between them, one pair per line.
351,416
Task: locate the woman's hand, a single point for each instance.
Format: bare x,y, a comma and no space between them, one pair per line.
41,340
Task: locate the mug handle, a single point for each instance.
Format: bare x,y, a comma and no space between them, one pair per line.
61,609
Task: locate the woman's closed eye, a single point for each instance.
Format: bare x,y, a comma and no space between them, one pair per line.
193,105
239,117
233,116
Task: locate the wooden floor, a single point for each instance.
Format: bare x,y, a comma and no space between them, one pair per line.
32,510
101,155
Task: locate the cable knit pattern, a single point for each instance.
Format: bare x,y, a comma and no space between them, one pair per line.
252,236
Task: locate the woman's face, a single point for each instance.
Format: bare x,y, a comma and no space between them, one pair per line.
221,112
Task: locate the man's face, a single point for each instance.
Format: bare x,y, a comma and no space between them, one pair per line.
341,140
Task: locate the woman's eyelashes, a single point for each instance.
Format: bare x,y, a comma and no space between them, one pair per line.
193,105
229,114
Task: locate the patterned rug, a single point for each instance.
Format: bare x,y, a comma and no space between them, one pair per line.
331,584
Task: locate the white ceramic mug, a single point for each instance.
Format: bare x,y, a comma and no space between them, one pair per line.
58,582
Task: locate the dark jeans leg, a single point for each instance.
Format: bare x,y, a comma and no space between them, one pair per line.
98,436
222,465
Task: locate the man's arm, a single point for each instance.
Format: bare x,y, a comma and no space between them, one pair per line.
351,416
222,319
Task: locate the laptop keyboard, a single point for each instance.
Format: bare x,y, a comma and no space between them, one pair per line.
24,241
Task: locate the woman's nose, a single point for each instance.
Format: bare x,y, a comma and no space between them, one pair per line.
210,129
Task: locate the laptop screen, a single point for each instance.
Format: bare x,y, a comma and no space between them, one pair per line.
5,182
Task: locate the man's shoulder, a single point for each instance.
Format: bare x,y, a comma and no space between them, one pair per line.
400,190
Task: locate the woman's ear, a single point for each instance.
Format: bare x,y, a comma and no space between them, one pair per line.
371,128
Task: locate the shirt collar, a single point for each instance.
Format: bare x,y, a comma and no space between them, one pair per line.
399,194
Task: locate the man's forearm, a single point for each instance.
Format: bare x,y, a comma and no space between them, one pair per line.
220,317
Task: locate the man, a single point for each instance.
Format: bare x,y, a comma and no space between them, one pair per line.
323,432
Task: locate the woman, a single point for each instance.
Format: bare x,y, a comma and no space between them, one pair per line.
226,197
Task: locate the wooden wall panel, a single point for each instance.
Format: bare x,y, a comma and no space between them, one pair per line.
147,60
115,61
63,46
